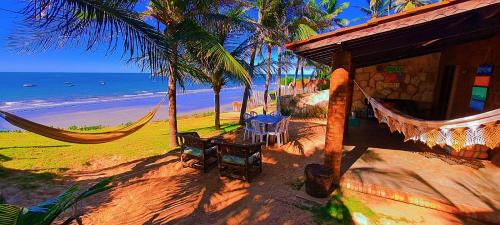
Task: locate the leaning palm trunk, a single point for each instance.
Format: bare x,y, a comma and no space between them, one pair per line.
295,77
268,78
278,82
246,94
302,76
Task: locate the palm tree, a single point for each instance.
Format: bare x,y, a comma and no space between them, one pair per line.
403,5
224,26
318,18
376,8
115,21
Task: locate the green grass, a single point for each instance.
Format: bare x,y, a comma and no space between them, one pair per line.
340,209
40,158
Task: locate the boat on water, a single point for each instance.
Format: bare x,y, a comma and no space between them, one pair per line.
29,85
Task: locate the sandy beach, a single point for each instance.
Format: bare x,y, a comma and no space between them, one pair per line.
86,116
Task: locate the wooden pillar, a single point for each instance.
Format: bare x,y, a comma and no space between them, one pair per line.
340,85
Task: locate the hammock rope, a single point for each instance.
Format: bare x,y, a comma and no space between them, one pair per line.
76,137
481,129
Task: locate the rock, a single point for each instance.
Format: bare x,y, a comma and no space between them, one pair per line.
422,76
362,76
407,79
378,77
427,96
393,95
411,90
415,80
372,83
405,96
385,92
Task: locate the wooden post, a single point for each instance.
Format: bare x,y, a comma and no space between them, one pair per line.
337,110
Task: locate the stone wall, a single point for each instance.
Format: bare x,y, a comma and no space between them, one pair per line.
416,81
306,105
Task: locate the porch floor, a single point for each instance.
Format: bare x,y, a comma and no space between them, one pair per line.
379,163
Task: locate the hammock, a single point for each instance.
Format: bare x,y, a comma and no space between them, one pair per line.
75,137
481,129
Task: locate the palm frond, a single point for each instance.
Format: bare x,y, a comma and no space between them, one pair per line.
209,49
55,23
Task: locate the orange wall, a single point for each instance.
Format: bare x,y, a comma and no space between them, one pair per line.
467,57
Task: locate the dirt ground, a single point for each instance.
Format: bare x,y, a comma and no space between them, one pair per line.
158,190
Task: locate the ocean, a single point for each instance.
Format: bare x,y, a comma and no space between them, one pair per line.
43,96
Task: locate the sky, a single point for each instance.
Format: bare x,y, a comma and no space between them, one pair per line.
76,59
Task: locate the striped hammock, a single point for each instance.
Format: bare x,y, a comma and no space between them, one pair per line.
481,129
75,137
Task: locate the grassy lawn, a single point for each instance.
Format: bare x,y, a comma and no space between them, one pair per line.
46,158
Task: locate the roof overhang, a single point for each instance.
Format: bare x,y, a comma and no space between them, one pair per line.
415,32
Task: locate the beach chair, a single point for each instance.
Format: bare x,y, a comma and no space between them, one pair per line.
196,152
239,161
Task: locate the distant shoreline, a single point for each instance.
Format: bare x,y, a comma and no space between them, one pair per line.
110,117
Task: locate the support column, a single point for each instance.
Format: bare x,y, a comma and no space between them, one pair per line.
340,89
319,178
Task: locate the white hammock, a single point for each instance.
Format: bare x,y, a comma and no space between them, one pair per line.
481,129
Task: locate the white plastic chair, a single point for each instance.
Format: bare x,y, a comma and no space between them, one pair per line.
284,131
248,130
259,130
277,131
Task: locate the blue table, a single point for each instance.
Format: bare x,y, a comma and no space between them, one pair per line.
267,119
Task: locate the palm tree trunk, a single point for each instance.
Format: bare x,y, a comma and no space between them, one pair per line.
246,94
217,106
172,99
172,108
278,82
302,76
295,77
268,78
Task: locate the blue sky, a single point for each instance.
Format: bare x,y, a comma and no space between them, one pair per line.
73,59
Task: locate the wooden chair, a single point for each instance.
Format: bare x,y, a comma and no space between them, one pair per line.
240,161
196,152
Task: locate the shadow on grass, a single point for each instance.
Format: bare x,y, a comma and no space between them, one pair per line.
342,209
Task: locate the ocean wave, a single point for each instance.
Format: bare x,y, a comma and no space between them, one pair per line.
41,103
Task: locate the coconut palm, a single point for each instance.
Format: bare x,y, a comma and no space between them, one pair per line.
376,8
226,24
403,5
318,18
115,21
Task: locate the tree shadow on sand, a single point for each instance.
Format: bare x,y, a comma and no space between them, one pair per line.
158,190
